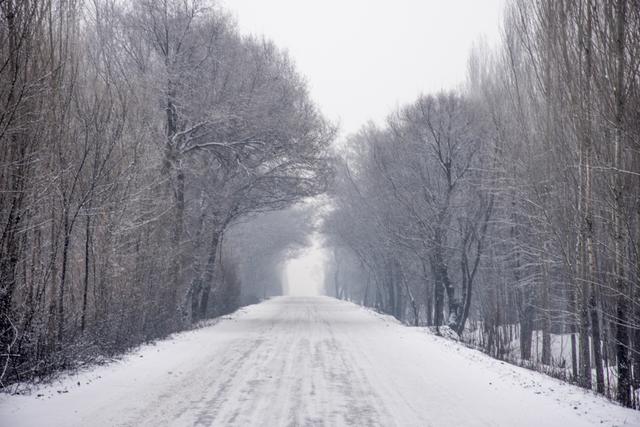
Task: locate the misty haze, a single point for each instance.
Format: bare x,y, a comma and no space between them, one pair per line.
320,213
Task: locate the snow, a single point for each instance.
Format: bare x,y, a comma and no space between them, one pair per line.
310,361
560,344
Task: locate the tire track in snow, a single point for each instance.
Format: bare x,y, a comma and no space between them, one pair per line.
310,362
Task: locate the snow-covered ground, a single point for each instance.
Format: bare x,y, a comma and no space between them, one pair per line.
560,344
294,361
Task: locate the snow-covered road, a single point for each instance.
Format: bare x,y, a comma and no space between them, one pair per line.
294,361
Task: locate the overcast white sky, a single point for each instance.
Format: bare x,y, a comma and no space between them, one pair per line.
363,58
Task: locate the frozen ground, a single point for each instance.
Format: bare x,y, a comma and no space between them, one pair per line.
295,361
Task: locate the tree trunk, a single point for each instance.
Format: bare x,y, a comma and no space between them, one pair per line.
526,324
438,296
178,231
546,314
429,297
596,341
85,289
467,281
622,309
583,341
208,276
63,277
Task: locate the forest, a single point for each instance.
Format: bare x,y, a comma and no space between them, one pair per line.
133,136
507,213
158,167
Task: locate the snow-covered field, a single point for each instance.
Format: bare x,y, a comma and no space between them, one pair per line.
294,361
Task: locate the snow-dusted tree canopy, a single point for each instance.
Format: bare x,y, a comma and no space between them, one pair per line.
134,134
509,210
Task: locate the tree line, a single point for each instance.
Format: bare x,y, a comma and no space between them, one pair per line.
507,213
133,136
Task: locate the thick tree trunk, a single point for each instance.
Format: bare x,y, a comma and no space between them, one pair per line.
208,276
173,167
443,277
63,278
178,231
442,286
589,274
620,284
570,327
583,342
467,281
526,324
596,341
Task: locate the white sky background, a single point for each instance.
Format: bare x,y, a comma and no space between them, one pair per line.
364,58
